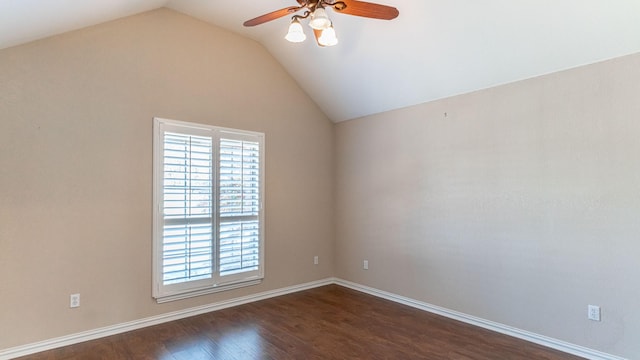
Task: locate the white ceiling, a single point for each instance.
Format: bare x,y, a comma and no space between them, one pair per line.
434,49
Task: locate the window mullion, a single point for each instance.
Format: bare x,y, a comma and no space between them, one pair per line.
216,205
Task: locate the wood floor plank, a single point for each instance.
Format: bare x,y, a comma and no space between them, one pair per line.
330,322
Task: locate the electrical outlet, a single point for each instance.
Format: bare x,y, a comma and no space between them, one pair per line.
593,312
365,264
74,300
315,260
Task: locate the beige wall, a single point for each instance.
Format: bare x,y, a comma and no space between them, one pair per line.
75,166
518,204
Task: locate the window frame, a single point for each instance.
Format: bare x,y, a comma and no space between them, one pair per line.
216,283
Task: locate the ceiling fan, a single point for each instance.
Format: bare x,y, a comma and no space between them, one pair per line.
319,20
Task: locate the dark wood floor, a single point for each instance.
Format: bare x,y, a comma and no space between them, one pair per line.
330,322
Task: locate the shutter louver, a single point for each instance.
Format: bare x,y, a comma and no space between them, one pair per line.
187,202
239,206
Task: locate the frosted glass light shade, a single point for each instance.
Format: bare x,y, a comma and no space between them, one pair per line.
295,34
319,19
328,37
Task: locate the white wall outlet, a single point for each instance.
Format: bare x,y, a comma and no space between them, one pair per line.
315,260
365,264
593,312
74,300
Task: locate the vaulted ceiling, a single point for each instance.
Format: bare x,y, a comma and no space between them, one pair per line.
434,49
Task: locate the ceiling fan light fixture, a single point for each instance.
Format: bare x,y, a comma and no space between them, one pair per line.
319,19
295,33
328,37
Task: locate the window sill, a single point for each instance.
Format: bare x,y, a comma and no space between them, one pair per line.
209,290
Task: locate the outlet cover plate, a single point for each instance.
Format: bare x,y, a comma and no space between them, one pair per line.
74,300
593,312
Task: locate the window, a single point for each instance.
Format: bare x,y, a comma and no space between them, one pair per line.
208,219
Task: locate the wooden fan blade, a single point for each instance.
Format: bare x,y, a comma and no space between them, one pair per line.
272,16
367,9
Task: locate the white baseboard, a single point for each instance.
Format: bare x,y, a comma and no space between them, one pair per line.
486,324
33,348
28,349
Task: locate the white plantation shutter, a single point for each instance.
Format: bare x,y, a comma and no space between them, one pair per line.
239,206
208,216
187,203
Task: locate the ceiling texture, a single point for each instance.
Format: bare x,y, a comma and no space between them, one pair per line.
434,49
